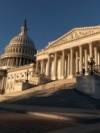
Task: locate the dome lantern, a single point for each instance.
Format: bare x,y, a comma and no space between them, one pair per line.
24,29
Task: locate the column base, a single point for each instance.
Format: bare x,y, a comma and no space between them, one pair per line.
86,73
53,78
70,77
63,77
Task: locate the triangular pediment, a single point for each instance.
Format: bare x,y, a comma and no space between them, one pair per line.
75,34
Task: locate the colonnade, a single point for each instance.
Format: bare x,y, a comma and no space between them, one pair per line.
68,62
15,61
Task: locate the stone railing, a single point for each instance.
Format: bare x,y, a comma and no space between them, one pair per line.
96,70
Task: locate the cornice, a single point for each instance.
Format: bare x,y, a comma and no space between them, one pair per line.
75,34
70,44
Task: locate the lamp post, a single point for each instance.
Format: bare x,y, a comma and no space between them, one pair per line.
91,63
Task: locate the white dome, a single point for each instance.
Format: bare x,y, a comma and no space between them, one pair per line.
22,38
20,50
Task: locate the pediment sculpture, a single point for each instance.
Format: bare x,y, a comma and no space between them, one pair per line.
75,34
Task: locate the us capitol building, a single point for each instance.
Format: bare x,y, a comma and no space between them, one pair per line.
22,66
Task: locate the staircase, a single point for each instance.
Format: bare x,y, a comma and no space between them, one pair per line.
54,85
67,98
96,70
55,94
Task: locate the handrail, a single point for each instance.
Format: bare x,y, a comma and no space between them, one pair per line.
96,70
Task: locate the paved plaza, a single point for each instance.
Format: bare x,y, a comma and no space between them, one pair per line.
20,123
31,119
51,111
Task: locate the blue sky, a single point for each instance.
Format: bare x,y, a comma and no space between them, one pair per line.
46,19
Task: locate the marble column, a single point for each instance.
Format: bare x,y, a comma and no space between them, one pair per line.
55,66
98,58
20,61
41,66
2,83
77,68
95,56
71,62
37,65
90,50
68,66
7,61
4,62
48,66
16,61
80,59
13,61
63,64
10,61
86,62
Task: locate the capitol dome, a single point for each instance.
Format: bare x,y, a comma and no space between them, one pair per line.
20,50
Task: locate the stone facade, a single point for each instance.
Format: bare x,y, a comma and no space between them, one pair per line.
62,58
69,54
19,76
18,61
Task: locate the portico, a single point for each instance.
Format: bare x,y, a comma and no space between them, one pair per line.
69,54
